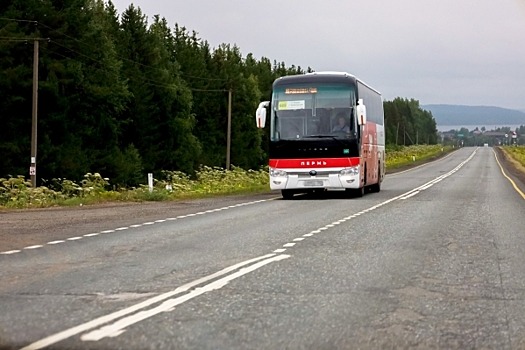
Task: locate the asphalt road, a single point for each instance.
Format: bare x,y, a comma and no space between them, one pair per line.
434,261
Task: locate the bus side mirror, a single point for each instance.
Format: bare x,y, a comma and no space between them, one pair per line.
260,114
361,112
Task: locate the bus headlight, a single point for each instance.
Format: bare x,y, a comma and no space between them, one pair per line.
277,173
350,171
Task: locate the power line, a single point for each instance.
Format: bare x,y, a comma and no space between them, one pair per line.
90,47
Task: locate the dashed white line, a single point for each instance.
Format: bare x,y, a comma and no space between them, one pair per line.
288,245
9,252
56,242
299,239
34,247
136,226
92,234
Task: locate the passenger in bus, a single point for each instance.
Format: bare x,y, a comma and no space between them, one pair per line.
341,125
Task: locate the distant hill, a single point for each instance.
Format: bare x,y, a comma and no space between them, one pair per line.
475,115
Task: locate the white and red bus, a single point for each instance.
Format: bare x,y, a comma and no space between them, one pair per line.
326,133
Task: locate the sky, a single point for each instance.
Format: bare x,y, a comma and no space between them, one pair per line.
466,52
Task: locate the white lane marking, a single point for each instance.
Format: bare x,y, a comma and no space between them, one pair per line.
68,333
279,251
410,195
118,327
152,223
299,239
34,247
308,234
403,196
56,242
9,252
74,238
92,234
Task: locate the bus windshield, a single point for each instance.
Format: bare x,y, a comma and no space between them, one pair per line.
313,111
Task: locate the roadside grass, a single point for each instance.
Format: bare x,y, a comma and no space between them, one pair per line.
17,193
398,157
516,155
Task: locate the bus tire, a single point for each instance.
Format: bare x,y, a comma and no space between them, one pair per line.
375,187
356,193
287,194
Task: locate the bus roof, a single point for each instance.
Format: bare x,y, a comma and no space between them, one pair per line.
325,77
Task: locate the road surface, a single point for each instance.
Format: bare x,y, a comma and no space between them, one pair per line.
434,261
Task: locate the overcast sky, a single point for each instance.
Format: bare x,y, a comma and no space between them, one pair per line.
469,52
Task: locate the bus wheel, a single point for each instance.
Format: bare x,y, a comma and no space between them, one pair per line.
287,194
356,193
375,187
360,192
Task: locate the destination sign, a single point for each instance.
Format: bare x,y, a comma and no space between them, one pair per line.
293,91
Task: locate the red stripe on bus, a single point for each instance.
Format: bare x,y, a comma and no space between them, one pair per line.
314,162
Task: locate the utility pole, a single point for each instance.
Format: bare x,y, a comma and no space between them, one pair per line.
229,131
34,120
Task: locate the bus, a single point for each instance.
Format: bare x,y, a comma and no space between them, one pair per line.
326,133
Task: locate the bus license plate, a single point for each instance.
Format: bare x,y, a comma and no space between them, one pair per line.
313,183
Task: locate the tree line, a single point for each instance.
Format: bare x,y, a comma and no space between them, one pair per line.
121,96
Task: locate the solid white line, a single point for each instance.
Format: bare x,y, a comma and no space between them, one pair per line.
118,327
410,195
55,338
